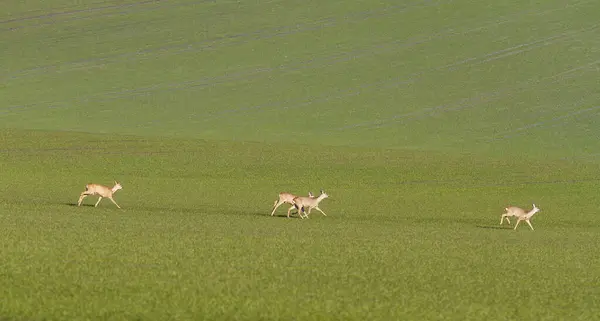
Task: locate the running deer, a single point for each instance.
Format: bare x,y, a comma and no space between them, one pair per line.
303,203
286,198
101,191
520,214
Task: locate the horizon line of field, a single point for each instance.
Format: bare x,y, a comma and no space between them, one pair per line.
455,182
276,31
144,91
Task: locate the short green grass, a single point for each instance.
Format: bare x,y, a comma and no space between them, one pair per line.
409,235
422,120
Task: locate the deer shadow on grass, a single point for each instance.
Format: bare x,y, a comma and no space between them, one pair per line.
492,227
86,205
198,210
82,205
292,215
75,205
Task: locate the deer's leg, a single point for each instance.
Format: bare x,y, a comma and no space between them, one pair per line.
99,199
317,208
517,224
290,209
110,198
301,211
277,204
530,225
81,197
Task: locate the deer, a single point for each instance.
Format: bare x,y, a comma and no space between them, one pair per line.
303,203
286,198
100,190
520,214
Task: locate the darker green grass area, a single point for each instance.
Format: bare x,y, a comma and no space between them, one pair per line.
491,78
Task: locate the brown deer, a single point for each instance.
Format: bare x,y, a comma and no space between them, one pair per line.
303,203
286,198
101,191
520,214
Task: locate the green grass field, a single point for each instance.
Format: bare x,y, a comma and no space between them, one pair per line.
422,120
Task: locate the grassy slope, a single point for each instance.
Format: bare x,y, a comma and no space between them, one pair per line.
418,74
428,97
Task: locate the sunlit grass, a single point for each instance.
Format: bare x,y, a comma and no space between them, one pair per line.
196,241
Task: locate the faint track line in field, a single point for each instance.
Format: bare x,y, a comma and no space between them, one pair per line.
412,78
227,40
95,150
78,64
395,45
260,34
83,64
95,12
462,103
468,184
326,97
71,11
478,98
268,32
205,82
402,80
473,102
302,65
551,122
40,14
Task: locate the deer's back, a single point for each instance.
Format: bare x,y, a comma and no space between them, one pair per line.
98,189
286,197
306,201
515,211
